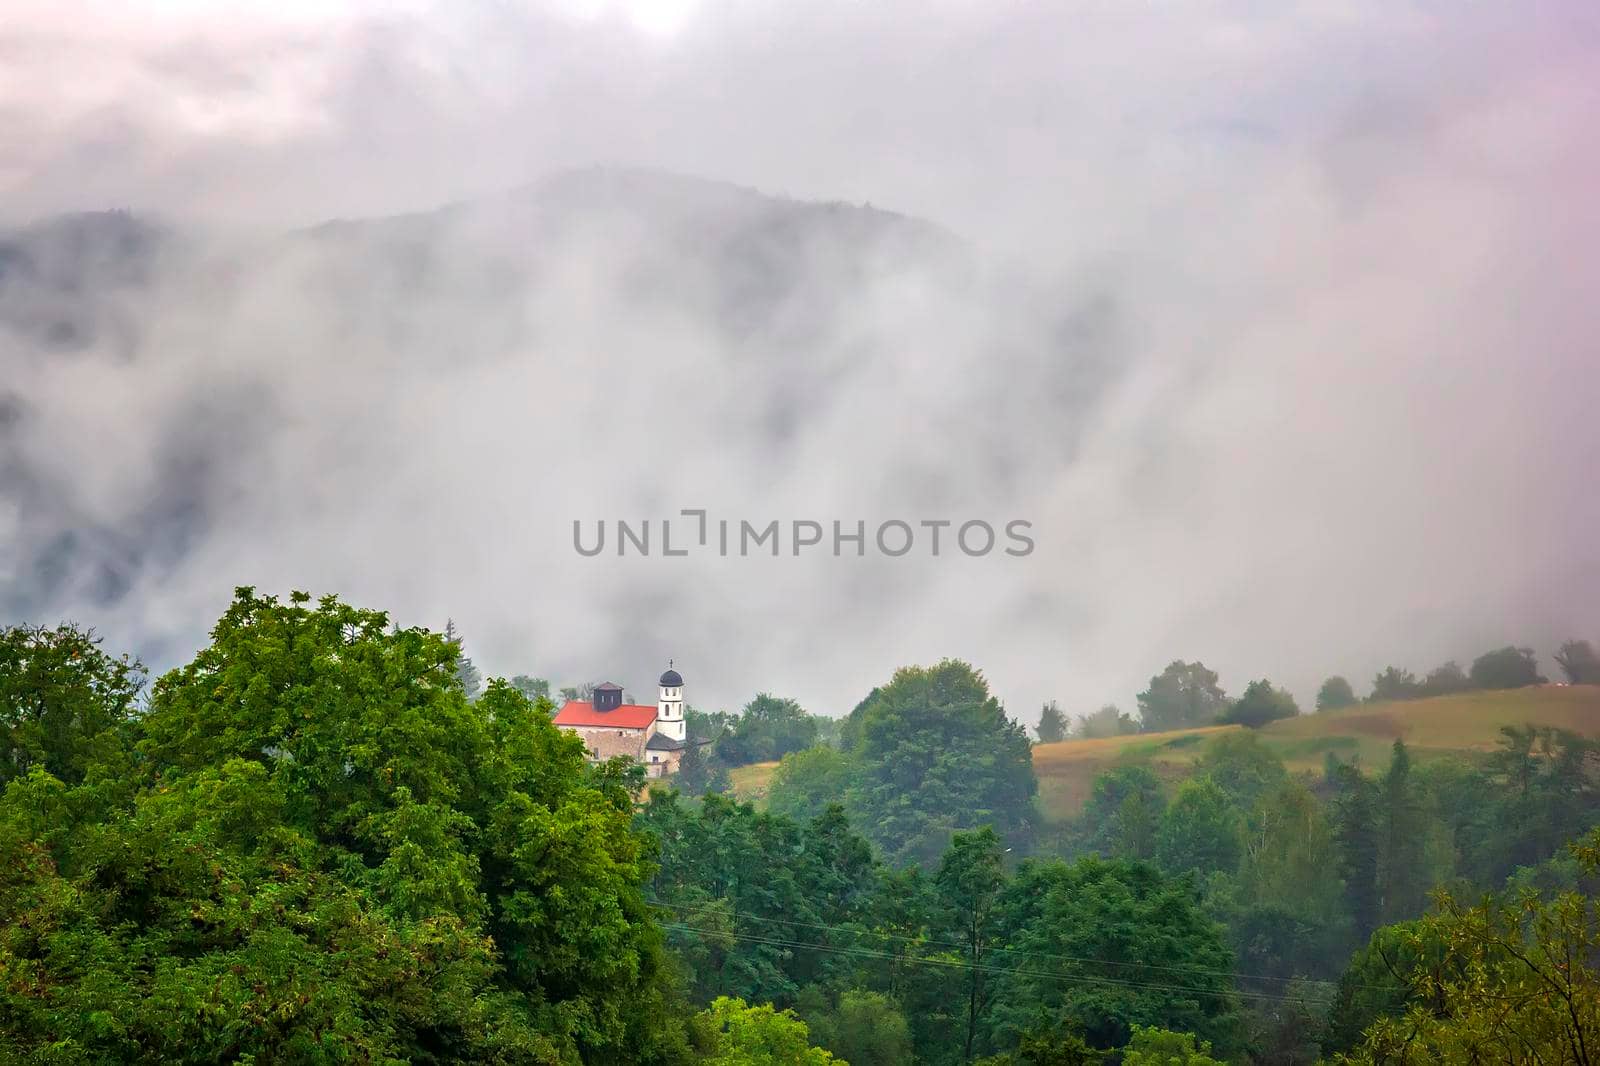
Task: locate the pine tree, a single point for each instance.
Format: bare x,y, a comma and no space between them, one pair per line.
1356,832
1052,724
466,673
1401,873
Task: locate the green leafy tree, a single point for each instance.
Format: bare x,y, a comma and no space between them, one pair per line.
65,705
1401,869
1181,696
807,782
730,1032
1394,683
1260,704
1108,721
1382,980
936,754
1244,767
1356,835
1150,1046
1123,813
1097,945
1518,983
1048,1045
700,772
1506,667
969,881
758,905
865,1029
768,728
328,854
1201,830
1579,662
1052,725
536,689
1334,694
1444,680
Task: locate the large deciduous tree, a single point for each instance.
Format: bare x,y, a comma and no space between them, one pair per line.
936,754
1260,704
1506,667
64,703
324,852
1579,663
1334,694
1181,696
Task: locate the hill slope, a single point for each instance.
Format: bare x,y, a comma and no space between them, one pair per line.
1445,725
1469,722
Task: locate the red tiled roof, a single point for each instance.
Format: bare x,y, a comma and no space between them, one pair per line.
628,716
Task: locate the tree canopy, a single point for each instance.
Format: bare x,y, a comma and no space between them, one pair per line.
937,754
1181,696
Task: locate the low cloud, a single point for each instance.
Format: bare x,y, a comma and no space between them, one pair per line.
1276,326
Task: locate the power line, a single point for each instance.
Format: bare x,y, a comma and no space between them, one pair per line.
951,964
1195,970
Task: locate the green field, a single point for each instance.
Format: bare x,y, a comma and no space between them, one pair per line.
750,782
1469,722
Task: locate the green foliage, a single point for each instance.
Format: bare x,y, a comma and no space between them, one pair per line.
65,705
1181,696
700,772
1334,694
969,881
1244,767
467,675
1052,724
1444,680
751,899
1401,828
1106,722
1048,1045
937,754
1544,792
732,1033
1290,920
1579,662
1201,830
807,782
1518,982
1394,684
1121,817
1378,982
1355,830
328,854
1260,704
536,689
768,728
1104,946
1506,667
865,1029
1151,1046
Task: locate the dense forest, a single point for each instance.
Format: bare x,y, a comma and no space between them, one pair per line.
327,839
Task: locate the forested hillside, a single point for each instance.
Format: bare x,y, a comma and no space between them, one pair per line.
309,844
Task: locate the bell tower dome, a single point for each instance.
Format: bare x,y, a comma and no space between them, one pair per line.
669,711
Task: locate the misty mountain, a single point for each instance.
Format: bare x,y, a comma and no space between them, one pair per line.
275,381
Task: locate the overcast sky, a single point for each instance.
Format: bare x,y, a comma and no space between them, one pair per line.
1340,412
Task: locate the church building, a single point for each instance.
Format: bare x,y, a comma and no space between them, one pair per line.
654,736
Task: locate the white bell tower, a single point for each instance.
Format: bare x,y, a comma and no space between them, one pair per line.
669,712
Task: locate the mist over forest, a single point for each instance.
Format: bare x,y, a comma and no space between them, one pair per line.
705,533
1294,365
